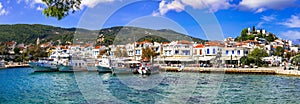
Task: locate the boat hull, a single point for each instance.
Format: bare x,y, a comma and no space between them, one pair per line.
63,68
122,70
38,67
102,69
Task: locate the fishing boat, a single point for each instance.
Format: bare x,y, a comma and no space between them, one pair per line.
44,65
75,64
104,65
125,67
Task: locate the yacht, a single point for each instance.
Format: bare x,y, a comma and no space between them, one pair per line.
44,65
58,56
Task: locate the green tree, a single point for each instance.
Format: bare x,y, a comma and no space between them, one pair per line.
244,32
120,52
256,55
60,8
17,50
3,49
279,51
296,60
148,53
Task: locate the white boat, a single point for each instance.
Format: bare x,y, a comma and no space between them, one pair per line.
47,65
125,67
104,65
147,69
73,65
58,56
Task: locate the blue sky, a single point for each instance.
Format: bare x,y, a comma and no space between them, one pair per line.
199,18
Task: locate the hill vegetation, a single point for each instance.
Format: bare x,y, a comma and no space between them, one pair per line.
245,35
28,34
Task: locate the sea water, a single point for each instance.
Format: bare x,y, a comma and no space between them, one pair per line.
22,85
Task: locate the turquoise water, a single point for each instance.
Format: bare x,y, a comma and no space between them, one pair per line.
22,85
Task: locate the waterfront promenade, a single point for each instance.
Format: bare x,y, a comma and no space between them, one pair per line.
260,70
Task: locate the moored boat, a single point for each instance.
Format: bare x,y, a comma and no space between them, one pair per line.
44,65
147,69
73,65
125,67
104,65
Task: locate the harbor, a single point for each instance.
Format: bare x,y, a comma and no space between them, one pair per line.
260,70
56,87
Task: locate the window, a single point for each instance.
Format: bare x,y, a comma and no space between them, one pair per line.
176,51
186,52
214,51
238,52
226,52
137,52
200,52
232,51
207,51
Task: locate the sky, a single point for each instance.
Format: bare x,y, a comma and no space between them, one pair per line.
206,19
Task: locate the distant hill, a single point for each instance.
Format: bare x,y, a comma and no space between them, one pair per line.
26,33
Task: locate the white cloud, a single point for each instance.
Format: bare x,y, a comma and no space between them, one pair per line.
2,10
293,35
265,19
164,7
39,8
262,5
179,5
293,22
268,18
260,10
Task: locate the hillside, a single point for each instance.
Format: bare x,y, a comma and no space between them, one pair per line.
25,33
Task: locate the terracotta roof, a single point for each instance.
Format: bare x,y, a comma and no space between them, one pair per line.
184,42
10,43
214,43
199,46
97,47
143,42
165,43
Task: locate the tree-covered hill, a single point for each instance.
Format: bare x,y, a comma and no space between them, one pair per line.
24,33
27,33
250,35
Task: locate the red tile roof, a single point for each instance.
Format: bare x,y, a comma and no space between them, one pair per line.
97,47
184,42
199,46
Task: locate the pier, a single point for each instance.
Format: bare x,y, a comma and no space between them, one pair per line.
260,70
16,65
